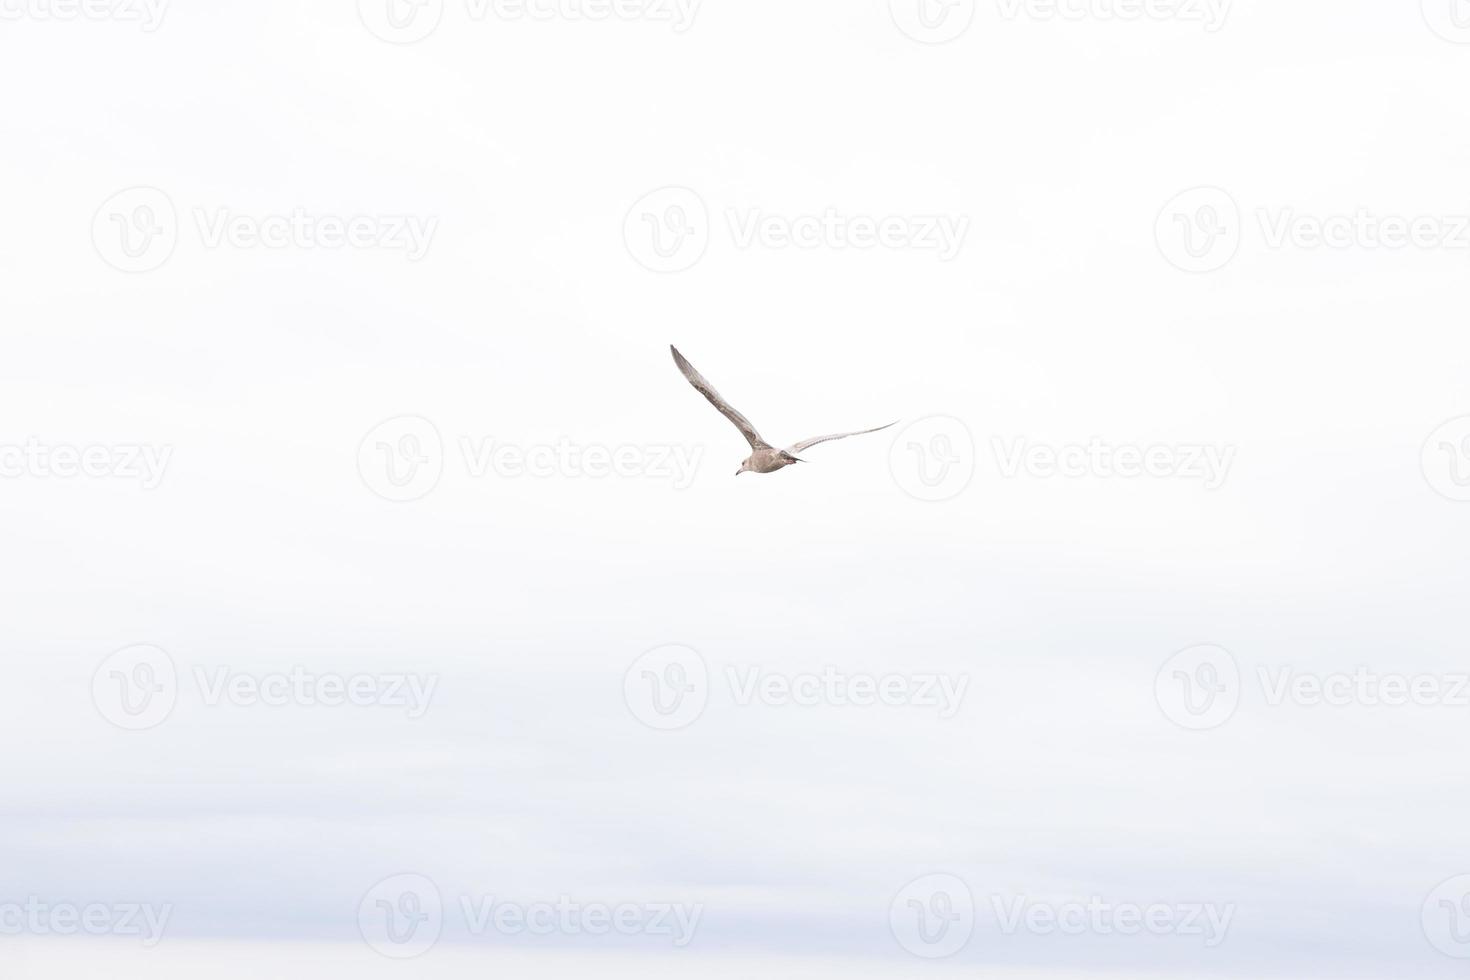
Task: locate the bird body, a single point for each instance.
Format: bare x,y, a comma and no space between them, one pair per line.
767,461
763,458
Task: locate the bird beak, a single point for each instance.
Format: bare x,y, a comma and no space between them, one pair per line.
738,472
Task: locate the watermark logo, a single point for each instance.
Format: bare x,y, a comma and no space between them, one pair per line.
933,916
1445,917
932,21
933,459
124,919
400,21
1208,464
1445,459
147,14
1199,229
401,459
1450,19
1198,688
136,230
667,230
402,916
667,688
136,688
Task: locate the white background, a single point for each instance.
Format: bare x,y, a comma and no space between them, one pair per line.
530,320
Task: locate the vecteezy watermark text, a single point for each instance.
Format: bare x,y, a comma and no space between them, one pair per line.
934,915
1206,463
138,229
298,686
124,461
843,689
138,687
147,14
676,921
404,915
1201,230
1200,687
486,456
669,687
669,230
1363,686
1101,917
410,21
403,459
677,13
408,233
1363,229
1209,13
35,917
940,233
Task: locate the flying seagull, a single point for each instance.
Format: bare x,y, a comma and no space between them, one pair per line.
764,458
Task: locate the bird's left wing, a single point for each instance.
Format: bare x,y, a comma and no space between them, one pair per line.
725,408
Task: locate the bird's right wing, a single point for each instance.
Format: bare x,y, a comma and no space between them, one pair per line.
817,440
726,409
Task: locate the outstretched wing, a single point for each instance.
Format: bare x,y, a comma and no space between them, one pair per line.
809,443
726,409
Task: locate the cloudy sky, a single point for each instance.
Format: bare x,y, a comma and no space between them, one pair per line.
380,602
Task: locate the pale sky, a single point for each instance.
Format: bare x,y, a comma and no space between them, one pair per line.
541,206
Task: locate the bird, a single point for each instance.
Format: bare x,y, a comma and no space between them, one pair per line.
763,458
